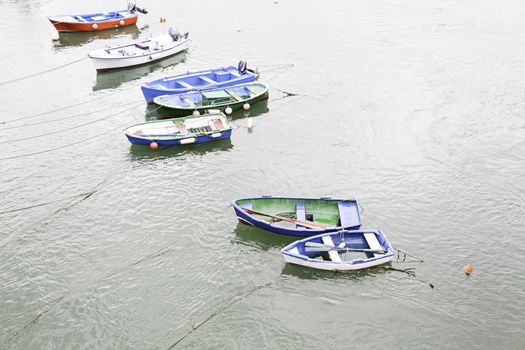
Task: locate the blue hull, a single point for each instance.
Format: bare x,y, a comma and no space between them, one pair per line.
193,81
250,219
176,142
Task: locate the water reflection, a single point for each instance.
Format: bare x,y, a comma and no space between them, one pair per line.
255,110
140,152
114,78
308,273
255,237
82,38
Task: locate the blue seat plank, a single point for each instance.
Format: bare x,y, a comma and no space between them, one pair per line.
348,214
300,212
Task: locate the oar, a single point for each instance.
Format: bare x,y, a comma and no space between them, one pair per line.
308,224
327,249
323,247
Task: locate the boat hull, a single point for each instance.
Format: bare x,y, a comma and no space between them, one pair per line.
106,64
187,111
295,253
183,141
250,219
62,26
159,87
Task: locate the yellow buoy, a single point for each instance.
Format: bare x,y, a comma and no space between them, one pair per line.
154,146
468,269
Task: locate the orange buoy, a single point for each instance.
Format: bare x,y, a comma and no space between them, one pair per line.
468,269
154,146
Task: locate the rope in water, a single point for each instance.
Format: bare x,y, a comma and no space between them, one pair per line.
67,107
65,118
40,73
76,142
70,128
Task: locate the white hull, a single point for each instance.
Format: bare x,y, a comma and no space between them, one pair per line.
129,55
334,266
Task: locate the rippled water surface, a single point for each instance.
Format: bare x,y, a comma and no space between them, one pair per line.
415,108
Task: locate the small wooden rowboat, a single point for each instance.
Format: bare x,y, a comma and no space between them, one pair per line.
298,216
134,54
96,21
217,98
192,81
341,251
180,131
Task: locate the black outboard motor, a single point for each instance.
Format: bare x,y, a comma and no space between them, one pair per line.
243,65
132,7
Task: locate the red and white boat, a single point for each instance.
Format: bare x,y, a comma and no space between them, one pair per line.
96,21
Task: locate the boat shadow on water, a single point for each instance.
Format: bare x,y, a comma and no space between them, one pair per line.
255,237
115,77
141,152
314,274
71,39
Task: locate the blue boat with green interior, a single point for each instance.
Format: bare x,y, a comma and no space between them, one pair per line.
298,216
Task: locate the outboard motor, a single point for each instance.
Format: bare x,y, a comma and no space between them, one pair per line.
243,65
132,7
174,33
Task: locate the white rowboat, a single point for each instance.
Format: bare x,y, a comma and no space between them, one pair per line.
138,53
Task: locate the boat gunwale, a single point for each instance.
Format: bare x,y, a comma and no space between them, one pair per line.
390,249
137,56
190,108
298,230
182,119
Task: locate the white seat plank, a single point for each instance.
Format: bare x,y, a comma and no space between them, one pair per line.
334,255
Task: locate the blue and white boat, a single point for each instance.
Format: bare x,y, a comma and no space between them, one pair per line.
341,251
180,131
139,53
192,81
298,216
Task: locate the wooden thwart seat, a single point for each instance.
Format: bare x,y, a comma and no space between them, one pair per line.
208,80
185,84
334,255
372,241
234,95
347,214
300,212
188,101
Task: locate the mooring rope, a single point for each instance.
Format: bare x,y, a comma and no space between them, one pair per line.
69,144
218,311
65,118
70,128
40,73
68,107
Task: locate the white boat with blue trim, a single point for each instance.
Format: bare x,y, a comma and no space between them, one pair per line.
139,53
341,251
